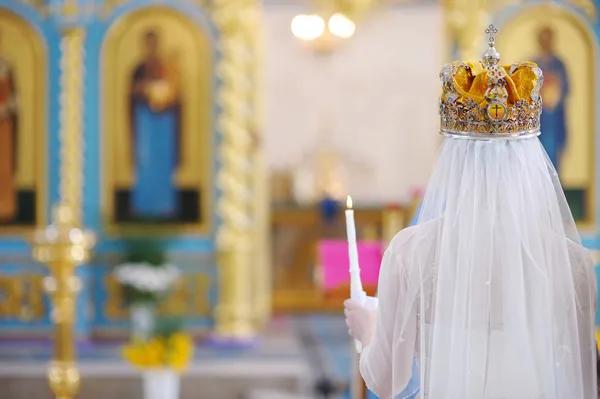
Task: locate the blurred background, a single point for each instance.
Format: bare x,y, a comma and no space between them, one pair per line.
174,173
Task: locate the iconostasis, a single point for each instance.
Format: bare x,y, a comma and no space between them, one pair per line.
172,161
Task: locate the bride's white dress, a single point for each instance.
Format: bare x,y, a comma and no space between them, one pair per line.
491,290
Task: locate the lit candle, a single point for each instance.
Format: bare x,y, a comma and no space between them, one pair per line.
356,291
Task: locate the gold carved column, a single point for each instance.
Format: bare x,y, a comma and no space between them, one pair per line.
263,284
63,245
236,239
71,120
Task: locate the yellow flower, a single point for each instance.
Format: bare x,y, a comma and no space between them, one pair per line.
175,352
146,354
181,349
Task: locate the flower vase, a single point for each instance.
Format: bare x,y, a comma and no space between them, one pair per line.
161,384
143,320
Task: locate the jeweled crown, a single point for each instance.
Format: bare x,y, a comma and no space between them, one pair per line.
485,100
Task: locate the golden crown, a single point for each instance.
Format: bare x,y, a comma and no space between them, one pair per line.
485,100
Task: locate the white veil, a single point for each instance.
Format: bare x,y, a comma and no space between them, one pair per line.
492,267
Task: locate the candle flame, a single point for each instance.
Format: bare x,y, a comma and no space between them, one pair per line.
349,202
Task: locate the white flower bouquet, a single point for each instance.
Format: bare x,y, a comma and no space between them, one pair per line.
144,277
145,274
144,286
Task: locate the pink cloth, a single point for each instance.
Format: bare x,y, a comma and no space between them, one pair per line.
334,261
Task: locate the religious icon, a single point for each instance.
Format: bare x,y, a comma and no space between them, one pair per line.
22,124
554,93
9,116
155,133
564,48
157,98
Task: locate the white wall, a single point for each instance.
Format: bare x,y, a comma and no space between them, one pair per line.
380,87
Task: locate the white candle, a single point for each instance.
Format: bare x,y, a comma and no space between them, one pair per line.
356,289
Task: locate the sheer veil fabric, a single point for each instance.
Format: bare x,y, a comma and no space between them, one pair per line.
491,291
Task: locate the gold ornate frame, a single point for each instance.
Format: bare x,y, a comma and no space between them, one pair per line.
108,89
40,116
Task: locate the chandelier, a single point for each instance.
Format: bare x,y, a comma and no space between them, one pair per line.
332,21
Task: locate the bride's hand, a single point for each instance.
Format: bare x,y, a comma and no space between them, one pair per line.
360,320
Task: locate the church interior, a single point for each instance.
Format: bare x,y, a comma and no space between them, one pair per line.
176,178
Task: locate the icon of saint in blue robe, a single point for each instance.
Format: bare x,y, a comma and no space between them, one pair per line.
156,131
554,95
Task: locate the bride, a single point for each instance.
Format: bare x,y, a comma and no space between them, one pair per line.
491,291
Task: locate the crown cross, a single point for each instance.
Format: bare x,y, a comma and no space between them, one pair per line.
491,31
491,55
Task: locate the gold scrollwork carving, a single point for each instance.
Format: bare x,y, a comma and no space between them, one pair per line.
177,302
33,307
22,297
9,292
189,297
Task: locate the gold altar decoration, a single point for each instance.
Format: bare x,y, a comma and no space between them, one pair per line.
190,296
23,297
236,239
62,246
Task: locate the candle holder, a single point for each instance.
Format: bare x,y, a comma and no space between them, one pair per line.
62,246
